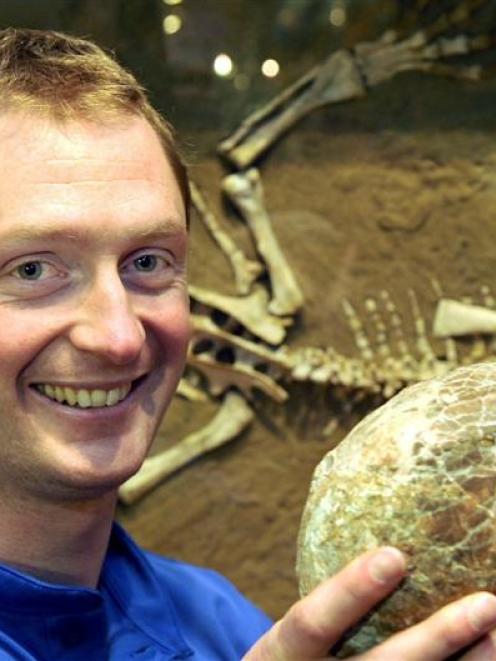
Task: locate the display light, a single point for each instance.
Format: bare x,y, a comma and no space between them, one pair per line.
337,15
223,65
172,23
270,68
172,3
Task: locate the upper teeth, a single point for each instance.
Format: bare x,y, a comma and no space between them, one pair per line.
83,397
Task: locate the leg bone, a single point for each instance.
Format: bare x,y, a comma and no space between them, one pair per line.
337,79
245,270
245,190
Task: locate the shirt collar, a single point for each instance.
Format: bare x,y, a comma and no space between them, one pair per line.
127,580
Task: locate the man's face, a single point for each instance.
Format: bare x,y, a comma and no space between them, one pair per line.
93,302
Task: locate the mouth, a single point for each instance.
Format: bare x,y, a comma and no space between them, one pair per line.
86,398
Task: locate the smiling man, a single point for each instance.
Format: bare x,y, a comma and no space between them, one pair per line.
93,335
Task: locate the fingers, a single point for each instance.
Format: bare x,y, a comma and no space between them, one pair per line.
485,650
314,624
448,631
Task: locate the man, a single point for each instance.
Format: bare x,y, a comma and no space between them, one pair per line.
93,335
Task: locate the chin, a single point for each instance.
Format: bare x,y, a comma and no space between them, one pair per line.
97,473
90,485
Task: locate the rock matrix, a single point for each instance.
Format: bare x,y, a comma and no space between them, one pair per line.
418,473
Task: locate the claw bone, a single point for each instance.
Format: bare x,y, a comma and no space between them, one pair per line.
245,270
245,190
232,418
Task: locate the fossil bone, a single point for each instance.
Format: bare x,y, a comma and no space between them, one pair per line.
232,418
252,352
244,359
245,190
245,270
337,79
221,376
453,319
190,392
250,311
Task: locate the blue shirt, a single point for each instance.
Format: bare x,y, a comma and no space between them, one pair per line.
145,608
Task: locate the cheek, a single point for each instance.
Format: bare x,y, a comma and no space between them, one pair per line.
22,337
172,328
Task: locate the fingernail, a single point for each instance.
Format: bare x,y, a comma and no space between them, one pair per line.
482,612
386,565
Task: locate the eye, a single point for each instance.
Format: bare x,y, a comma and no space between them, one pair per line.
146,263
32,270
31,276
154,269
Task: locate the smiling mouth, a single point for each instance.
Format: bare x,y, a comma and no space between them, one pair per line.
85,398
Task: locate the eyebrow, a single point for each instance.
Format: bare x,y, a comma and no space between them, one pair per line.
160,229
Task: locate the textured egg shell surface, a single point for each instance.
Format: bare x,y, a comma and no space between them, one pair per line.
418,473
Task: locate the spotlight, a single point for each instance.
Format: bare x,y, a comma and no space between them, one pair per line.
172,24
223,65
337,16
270,68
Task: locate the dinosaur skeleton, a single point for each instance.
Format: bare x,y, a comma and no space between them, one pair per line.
236,340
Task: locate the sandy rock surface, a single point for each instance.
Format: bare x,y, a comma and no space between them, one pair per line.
418,473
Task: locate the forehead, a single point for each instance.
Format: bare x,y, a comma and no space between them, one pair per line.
80,171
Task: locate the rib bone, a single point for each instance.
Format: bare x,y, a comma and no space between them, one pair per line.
246,192
221,376
253,352
245,270
232,418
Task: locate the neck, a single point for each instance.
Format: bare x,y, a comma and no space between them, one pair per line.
59,542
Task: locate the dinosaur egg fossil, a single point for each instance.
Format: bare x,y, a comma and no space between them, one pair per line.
418,473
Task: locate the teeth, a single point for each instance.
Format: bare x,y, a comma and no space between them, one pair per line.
70,395
112,397
59,394
83,398
98,397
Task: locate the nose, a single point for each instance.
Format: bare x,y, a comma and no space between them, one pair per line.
107,324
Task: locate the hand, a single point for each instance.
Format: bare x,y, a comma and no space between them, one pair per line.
316,623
